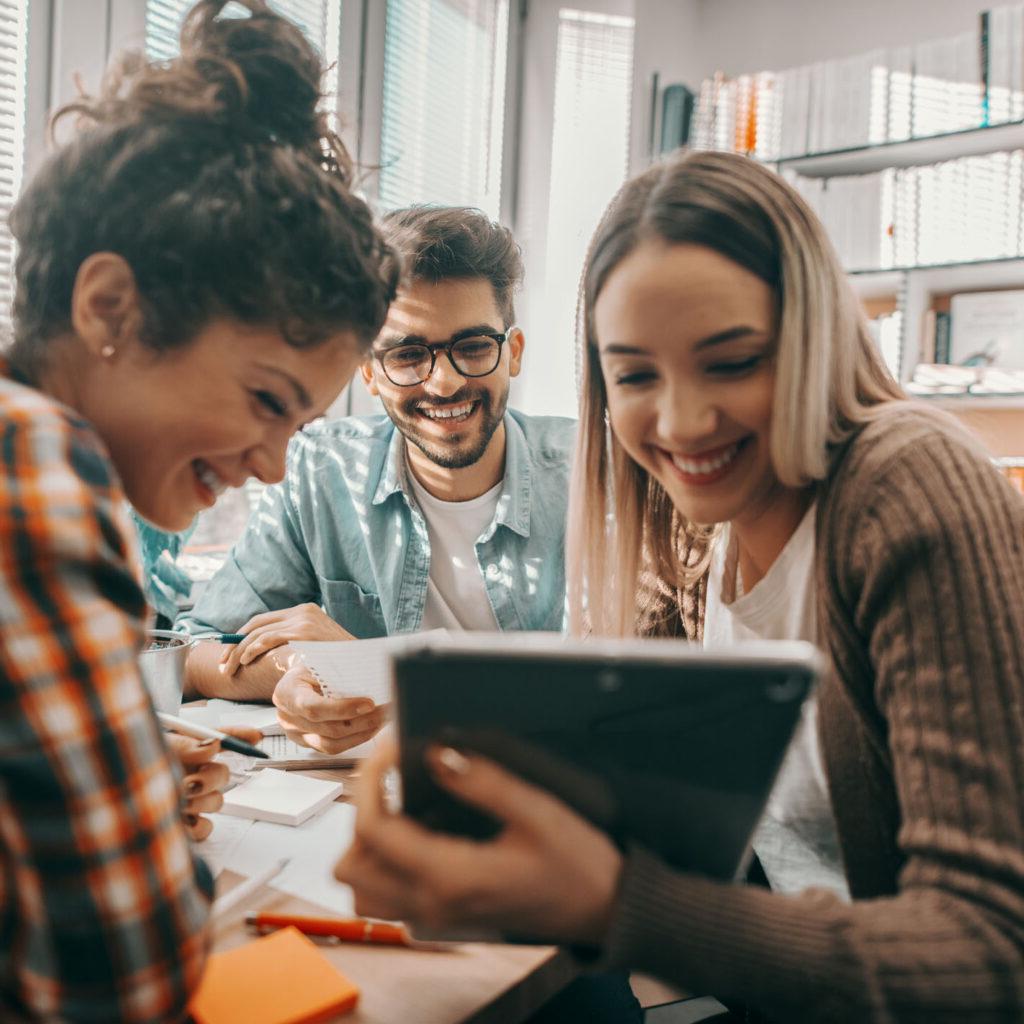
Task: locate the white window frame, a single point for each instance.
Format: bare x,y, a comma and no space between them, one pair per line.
85,34
369,20
74,40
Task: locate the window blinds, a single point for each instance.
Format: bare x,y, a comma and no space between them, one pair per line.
589,152
318,19
13,49
444,102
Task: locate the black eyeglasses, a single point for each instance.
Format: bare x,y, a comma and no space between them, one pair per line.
475,356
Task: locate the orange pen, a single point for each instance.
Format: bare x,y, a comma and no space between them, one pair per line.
339,929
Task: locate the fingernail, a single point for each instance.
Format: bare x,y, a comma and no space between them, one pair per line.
208,743
365,707
453,761
194,786
191,820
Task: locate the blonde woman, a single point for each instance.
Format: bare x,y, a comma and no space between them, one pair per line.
747,467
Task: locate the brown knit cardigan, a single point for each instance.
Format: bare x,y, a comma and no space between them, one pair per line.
919,570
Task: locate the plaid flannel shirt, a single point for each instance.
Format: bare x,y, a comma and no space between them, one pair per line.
102,905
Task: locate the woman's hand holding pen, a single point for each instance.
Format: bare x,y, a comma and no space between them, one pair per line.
549,874
204,779
271,630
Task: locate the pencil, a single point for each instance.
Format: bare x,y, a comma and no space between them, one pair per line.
245,889
202,732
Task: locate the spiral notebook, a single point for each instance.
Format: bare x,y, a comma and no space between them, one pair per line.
359,668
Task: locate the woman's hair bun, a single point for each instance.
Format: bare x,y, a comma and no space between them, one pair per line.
250,72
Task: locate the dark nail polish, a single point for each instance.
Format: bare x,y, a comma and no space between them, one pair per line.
194,786
191,820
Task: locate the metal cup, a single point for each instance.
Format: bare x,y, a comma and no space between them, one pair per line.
162,664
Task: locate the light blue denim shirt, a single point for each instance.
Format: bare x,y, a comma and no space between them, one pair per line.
344,531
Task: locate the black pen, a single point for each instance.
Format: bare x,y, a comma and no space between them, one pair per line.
227,638
201,732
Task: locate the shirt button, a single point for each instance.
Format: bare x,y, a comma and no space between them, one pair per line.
492,571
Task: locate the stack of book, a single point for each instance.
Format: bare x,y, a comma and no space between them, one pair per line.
966,81
950,212
973,345
938,381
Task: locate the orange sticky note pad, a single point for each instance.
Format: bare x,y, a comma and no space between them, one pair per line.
281,978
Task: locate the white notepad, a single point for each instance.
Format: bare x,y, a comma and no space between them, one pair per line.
357,668
281,797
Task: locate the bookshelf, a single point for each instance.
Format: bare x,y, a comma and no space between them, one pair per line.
913,156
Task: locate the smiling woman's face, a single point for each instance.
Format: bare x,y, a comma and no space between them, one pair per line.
184,424
686,340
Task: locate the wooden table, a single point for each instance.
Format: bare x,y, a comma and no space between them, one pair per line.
476,982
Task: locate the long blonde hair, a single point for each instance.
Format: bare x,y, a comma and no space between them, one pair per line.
829,377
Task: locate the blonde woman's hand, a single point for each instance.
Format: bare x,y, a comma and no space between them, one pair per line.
272,630
204,779
549,874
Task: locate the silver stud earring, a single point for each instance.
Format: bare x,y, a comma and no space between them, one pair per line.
107,351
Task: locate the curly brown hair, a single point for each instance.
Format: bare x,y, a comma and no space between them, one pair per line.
218,180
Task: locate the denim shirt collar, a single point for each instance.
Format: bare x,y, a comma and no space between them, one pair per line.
513,508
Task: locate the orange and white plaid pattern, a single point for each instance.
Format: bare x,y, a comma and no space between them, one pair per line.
102,905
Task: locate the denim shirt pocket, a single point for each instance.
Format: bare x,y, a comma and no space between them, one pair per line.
353,608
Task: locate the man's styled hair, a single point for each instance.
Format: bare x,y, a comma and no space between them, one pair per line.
443,243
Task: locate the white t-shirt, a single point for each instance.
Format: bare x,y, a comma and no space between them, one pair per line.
456,595
796,840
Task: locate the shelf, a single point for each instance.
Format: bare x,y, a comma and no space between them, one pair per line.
909,153
1001,261
876,284
971,275
958,403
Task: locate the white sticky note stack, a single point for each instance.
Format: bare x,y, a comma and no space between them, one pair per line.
281,797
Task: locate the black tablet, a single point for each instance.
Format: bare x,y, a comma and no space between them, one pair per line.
658,742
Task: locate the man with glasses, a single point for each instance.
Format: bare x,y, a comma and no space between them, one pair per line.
447,512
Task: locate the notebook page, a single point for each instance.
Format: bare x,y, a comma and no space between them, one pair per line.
356,668
281,748
220,847
313,848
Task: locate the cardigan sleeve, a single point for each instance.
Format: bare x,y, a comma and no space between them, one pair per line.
928,570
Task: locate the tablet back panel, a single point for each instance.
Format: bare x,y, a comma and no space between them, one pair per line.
657,743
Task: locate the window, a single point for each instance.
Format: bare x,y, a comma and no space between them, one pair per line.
443,103
319,19
13,50
589,161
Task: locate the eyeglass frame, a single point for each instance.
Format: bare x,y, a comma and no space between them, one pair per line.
446,347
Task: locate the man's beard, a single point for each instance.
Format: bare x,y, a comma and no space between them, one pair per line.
461,450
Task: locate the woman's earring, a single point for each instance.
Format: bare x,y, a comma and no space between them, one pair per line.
107,351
